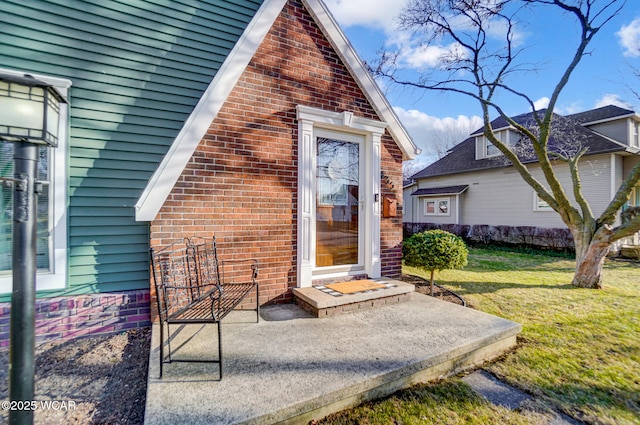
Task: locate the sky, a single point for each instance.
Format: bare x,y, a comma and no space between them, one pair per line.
548,40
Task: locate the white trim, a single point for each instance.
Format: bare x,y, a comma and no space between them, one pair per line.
613,186
56,277
536,204
182,148
436,211
310,120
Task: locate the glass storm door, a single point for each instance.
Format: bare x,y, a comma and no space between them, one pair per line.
338,218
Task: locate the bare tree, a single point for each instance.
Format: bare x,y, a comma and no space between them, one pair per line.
479,68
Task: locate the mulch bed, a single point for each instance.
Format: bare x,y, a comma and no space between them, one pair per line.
95,380
423,286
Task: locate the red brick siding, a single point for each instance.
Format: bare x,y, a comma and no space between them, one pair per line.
241,183
69,317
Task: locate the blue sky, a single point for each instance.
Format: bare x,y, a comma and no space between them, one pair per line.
602,78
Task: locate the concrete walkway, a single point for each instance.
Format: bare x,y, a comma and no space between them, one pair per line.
291,368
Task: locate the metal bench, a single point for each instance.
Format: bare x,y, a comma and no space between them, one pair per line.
193,287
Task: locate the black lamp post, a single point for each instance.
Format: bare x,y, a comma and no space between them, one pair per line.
29,116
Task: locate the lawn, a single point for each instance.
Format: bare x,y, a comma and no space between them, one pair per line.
579,351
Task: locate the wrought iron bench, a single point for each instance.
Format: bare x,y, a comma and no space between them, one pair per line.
193,287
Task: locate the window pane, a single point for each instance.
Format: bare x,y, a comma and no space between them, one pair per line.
337,203
6,206
6,210
491,149
443,207
430,207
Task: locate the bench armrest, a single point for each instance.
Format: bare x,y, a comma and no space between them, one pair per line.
238,271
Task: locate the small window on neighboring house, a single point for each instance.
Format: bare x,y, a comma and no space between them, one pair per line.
436,206
51,237
486,149
635,140
539,204
634,197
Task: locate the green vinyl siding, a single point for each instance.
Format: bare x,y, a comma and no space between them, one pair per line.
138,69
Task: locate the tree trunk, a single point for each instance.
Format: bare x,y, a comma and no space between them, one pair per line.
432,272
590,256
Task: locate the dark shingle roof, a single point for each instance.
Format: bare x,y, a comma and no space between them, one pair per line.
601,114
462,157
444,190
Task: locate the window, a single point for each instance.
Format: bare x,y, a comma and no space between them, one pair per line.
539,204
635,137
634,197
437,206
490,149
51,249
486,149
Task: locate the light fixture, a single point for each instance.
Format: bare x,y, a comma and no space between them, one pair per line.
30,110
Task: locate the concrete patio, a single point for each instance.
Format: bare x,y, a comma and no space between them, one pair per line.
291,368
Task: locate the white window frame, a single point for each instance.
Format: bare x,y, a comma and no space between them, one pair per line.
56,276
436,202
635,134
539,205
634,197
505,135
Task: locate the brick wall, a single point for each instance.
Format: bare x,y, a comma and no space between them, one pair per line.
71,317
241,182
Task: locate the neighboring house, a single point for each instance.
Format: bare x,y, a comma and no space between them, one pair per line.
229,118
474,184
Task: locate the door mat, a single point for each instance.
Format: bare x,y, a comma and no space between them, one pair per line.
354,286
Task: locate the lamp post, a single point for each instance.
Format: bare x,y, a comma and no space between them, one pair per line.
29,117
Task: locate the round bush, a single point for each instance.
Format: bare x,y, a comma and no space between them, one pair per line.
435,250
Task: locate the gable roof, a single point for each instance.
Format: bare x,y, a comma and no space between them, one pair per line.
181,150
605,113
462,157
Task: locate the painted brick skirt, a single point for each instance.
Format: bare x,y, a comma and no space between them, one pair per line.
71,317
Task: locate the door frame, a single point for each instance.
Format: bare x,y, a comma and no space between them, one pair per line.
309,120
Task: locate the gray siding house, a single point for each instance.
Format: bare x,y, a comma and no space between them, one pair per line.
474,185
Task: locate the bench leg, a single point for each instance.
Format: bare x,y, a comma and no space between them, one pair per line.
257,305
161,347
220,349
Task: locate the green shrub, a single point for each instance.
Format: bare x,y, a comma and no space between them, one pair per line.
435,250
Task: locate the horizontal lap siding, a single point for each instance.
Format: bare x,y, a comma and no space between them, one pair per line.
138,69
485,201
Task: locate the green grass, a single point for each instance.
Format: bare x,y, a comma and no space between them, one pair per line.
579,350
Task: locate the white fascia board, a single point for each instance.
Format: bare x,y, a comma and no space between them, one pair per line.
364,79
208,107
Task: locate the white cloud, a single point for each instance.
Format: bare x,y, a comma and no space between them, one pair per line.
541,103
382,14
613,99
630,38
434,135
427,56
